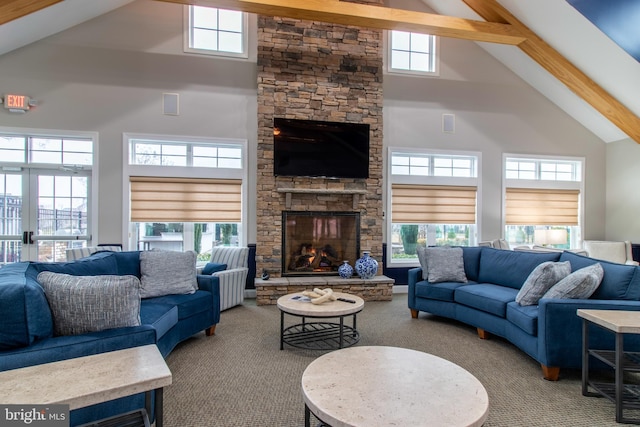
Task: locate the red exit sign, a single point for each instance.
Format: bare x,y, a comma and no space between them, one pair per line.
16,102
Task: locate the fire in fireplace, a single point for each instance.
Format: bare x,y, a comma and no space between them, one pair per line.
317,243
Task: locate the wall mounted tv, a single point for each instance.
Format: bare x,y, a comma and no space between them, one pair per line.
320,149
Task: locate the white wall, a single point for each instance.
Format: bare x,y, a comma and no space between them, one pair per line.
623,195
108,76
495,112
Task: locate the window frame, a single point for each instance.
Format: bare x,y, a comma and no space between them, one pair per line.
433,55
429,180
130,170
188,36
575,240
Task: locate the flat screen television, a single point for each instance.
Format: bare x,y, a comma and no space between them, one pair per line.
320,149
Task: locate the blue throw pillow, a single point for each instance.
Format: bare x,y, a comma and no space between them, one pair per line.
213,267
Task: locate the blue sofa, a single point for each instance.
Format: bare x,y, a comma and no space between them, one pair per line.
26,330
550,332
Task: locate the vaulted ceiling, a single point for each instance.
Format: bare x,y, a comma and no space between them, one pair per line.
547,43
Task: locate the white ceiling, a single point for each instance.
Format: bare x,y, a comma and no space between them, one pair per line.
555,21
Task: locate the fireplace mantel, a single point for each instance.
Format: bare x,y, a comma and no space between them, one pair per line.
289,191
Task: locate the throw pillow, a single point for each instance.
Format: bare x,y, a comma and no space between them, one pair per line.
445,265
541,279
579,284
167,272
81,304
213,267
422,257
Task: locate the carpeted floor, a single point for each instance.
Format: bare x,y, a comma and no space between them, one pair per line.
239,377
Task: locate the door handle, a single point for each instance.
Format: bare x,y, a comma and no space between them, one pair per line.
31,237
27,237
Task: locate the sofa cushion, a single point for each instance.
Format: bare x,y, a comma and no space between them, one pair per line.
541,279
26,316
445,265
188,304
524,317
128,263
471,255
81,304
443,291
100,263
578,285
159,315
167,272
213,267
486,297
510,268
619,281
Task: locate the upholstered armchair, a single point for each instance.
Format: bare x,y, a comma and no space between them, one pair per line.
231,266
77,253
619,252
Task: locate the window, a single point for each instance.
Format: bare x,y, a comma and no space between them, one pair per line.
216,31
413,53
171,153
184,193
542,201
433,201
45,200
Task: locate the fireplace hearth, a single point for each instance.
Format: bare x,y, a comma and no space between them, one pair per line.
317,243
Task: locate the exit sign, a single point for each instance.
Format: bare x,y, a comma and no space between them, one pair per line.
16,102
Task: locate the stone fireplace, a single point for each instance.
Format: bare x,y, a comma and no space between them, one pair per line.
319,242
327,72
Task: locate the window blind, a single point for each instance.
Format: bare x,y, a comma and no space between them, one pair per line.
526,206
429,204
185,199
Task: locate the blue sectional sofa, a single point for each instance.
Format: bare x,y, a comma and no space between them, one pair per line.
26,329
550,332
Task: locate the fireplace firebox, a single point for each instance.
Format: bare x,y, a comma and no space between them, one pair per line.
317,243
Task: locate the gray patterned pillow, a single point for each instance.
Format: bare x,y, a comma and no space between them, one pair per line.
541,279
422,257
579,284
167,272
445,265
81,304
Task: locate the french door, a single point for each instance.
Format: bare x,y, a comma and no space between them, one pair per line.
43,212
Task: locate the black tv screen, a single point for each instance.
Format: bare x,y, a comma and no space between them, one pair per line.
320,149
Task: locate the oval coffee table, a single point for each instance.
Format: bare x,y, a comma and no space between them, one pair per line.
390,386
321,335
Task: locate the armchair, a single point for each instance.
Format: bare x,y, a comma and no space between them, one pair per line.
77,253
233,279
619,252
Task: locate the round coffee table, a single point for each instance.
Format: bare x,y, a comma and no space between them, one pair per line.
322,335
390,386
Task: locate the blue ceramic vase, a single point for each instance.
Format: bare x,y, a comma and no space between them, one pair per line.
366,267
345,270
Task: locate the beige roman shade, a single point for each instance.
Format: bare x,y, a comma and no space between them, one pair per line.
526,206
429,204
185,200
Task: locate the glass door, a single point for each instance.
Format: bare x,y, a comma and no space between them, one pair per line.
44,213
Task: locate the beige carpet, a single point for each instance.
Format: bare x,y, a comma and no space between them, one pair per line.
239,377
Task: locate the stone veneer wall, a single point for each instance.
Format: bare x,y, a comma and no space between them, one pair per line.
317,71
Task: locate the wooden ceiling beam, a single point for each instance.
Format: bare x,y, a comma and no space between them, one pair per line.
14,9
371,16
562,69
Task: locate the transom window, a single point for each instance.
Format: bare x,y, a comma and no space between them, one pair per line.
169,153
542,169
46,150
412,52
216,31
433,165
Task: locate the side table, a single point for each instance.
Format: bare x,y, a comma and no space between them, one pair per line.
625,396
85,381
